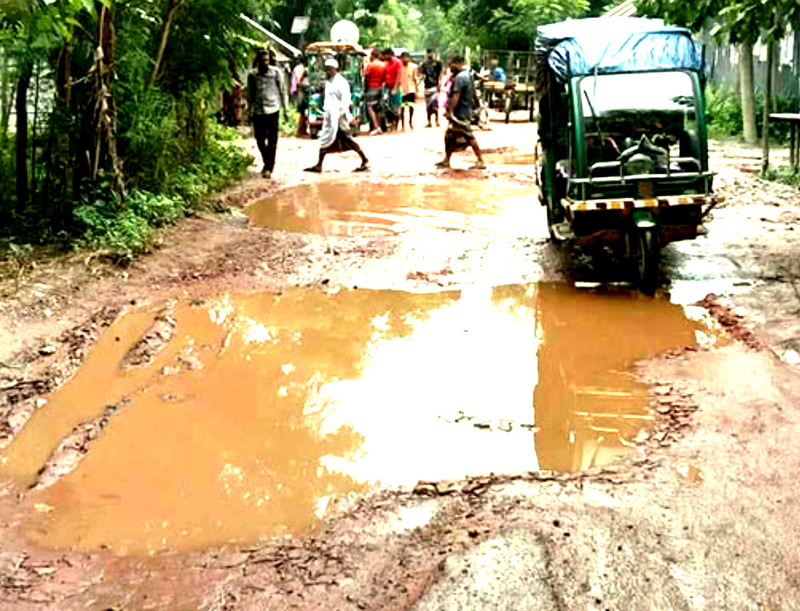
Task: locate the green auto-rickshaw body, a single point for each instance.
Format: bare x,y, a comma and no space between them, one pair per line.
622,133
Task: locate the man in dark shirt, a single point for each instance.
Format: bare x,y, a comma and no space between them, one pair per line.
459,115
267,96
431,70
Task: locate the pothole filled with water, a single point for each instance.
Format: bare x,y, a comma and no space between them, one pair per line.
346,208
240,417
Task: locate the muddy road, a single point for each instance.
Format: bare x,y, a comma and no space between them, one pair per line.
391,391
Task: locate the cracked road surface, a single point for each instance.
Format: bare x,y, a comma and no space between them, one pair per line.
393,392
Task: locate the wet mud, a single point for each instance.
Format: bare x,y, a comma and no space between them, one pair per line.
347,208
244,416
521,159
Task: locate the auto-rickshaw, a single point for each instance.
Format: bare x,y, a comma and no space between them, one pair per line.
351,58
623,138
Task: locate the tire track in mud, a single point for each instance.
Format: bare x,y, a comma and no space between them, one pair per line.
72,448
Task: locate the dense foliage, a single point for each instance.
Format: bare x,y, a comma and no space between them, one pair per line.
106,106
106,110
725,117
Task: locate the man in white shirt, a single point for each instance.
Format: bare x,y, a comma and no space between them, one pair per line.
335,134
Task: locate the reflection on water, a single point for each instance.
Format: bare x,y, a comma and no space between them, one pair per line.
353,208
589,407
262,407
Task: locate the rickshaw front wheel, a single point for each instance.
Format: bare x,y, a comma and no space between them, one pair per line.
646,258
553,219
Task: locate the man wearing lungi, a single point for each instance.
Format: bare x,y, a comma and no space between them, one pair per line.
459,115
335,134
431,70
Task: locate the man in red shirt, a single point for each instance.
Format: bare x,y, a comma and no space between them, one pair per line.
393,68
374,80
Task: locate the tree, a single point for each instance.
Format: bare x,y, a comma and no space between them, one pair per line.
517,21
122,93
739,22
493,24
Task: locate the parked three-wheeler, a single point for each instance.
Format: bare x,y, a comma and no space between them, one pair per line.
624,148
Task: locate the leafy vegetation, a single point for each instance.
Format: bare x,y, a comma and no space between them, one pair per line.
105,114
725,117
107,106
783,174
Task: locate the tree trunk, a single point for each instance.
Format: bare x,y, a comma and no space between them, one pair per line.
33,129
748,92
24,81
100,143
174,5
772,48
6,95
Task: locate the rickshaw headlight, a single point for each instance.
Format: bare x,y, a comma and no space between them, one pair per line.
640,164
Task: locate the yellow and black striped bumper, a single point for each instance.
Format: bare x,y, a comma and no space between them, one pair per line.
671,201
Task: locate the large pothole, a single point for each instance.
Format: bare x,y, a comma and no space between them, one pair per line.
258,409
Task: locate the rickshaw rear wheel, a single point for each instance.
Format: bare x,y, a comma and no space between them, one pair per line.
646,258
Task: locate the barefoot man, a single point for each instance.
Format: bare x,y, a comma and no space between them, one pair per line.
335,134
459,113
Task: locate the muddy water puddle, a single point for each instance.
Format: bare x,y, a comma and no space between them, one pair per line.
243,416
356,208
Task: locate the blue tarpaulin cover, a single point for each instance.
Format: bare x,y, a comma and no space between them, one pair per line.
606,45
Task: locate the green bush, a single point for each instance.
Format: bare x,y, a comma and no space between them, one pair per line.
289,122
724,114
784,174
126,227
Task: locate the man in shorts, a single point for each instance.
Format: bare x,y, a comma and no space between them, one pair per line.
374,80
409,80
335,134
459,134
431,70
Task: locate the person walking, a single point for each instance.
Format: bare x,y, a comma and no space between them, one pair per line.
431,70
374,79
409,81
394,68
459,114
335,134
298,90
267,96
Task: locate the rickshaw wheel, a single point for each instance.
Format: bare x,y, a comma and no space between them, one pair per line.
647,251
507,104
552,219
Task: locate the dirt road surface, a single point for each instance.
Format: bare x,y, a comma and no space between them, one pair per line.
391,391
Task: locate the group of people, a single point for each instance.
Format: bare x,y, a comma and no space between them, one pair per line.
386,77
391,86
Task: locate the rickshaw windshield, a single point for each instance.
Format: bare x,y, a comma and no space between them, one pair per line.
655,111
